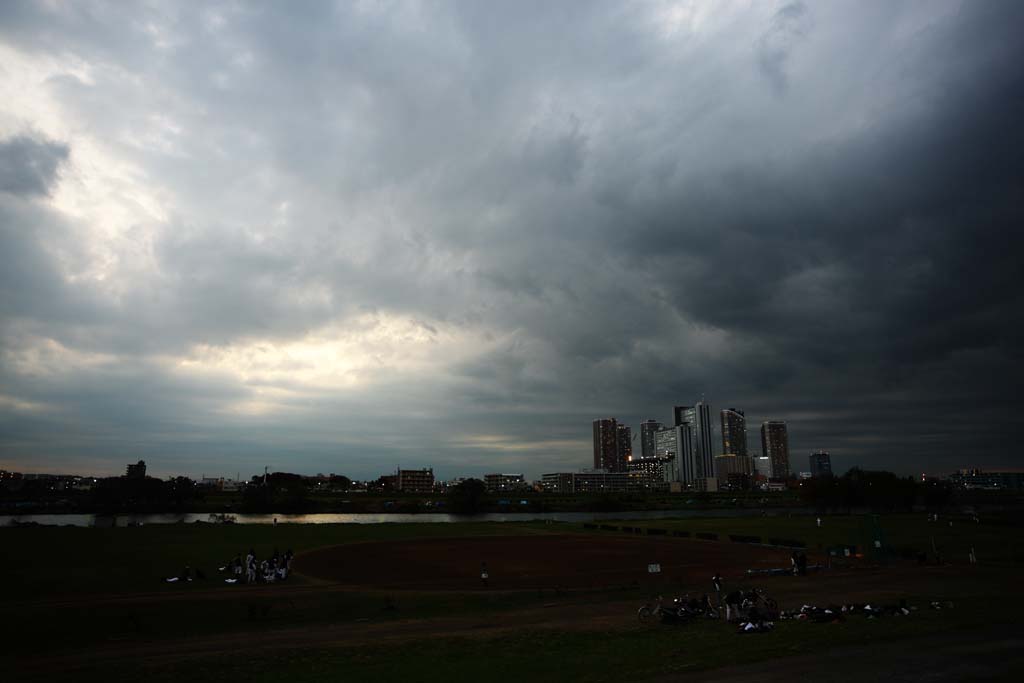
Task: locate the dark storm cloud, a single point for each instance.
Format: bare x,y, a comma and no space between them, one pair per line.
345,238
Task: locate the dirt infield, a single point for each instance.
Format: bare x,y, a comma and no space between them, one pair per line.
521,562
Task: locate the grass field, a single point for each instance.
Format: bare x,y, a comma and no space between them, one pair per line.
83,560
994,541
89,604
554,655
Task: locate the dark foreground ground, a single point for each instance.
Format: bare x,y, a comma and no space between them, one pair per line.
407,604
993,653
554,561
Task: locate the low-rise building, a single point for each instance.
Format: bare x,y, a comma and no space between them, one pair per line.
557,482
648,473
734,471
501,483
220,484
991,480
762,466
599,481
415,481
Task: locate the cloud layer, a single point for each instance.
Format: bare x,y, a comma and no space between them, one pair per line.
344,238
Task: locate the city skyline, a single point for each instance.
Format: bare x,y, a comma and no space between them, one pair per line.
343,237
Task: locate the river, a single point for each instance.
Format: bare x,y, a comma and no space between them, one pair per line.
376,518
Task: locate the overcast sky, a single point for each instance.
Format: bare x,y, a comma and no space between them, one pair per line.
346,237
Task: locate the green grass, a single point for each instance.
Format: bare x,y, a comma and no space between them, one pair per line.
249,611
540,656
51,561
993,543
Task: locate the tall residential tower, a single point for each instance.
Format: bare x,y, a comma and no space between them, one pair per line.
606,444
775,445
648,430
698,418
734,432
623,447
821,464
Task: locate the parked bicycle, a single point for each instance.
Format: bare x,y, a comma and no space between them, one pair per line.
743,604
677,610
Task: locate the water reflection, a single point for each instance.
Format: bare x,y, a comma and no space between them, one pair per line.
371,518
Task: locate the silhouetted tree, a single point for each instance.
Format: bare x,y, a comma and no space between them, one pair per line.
340,482
257,497
857,489
123,494
467,496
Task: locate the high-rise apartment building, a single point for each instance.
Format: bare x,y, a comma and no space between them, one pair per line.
734,432
623,447
136,471
701,430
679,415
648,428
821,464
775,445
690,442
606,444
675,445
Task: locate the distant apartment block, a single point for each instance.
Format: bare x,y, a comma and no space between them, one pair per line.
501,483
414,481
734,432
698,417
648,430
597,481
623,446
988,480
653,467
687,445
775,445
600,482
676,445
606,445
734,471
820,464
220,484
557,482
762,466
136,471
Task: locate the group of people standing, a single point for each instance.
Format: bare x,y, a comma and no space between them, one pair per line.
277,567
